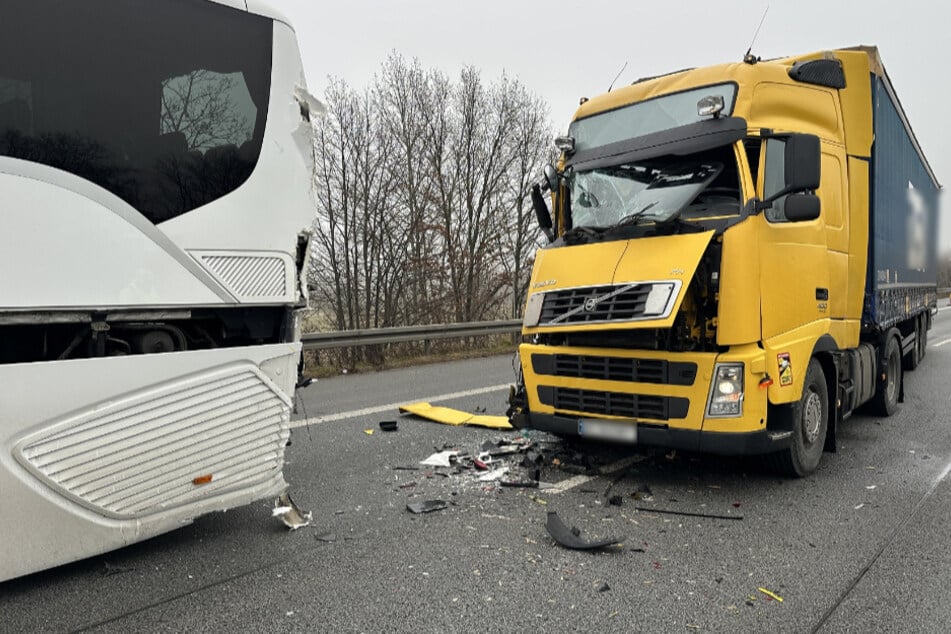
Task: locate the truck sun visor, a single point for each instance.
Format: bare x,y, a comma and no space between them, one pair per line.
687,139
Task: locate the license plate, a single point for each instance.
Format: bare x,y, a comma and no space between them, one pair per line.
608,430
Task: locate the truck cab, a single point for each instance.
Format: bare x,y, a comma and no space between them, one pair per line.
707,285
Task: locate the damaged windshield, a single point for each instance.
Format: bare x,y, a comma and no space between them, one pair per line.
657,190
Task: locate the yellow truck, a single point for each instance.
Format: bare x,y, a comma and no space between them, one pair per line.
739,257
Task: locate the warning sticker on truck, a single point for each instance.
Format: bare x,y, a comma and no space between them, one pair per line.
785,368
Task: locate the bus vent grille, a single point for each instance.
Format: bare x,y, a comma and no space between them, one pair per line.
249,276
167,447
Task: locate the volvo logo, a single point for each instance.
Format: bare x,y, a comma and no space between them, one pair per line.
591,303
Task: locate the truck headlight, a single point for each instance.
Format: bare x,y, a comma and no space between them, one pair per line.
726,392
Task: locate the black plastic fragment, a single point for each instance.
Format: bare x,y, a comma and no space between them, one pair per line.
820,72
711,516
426,506
615,500
389,425
568,538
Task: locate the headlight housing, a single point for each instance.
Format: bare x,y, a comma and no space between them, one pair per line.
726,391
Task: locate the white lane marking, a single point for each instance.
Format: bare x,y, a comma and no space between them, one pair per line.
610,469
940,343
394,407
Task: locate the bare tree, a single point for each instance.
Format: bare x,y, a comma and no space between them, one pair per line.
202,105
423,197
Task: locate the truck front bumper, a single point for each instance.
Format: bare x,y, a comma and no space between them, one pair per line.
722,443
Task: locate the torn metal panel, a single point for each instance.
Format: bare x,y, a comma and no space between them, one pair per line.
571,538
449,416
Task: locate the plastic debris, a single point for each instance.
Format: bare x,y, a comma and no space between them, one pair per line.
571,537
771,595
604,587
292,516
426,506
615,500
389,425
368,432
326,537
688,513
643,492
440,459
494,475
449,416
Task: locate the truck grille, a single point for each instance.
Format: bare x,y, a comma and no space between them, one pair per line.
615,368
614,403
619,302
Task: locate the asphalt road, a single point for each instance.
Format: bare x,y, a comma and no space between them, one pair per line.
863,545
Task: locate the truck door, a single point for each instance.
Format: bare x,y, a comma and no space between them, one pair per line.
794,256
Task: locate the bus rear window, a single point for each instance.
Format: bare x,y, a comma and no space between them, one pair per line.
166,111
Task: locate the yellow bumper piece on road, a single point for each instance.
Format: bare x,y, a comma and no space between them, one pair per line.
449,416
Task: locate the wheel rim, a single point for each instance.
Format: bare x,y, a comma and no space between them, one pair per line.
891,387
811,417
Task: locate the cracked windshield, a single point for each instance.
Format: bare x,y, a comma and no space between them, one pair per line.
656,190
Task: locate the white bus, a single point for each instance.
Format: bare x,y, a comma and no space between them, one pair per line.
155,205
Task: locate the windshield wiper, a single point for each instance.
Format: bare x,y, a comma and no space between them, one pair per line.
632,218
582,235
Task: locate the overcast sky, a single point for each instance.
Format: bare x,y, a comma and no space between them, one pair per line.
565,50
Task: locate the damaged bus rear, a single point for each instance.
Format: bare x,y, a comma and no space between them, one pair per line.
155,169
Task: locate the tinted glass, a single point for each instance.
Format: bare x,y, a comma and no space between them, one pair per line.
774,178
645,117
162,103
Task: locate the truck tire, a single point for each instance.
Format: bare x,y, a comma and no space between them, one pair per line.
911,360
885,401
809,423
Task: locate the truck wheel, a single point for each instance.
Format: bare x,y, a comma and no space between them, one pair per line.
810,420
885,401
911,360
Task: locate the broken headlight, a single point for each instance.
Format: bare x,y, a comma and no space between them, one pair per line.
726,391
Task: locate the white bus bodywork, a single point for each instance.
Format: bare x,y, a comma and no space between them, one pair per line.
147,363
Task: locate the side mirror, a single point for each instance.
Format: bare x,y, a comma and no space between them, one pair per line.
801,207
541,212
551,177
802,160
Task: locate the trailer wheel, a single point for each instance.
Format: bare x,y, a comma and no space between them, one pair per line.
810,420
885,401
911,360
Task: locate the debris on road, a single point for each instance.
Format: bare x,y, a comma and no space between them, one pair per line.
326,537
604,587
440,459
389,425
571,537
368,432
712,516
771,595
292,516
449,416
494,475
426,506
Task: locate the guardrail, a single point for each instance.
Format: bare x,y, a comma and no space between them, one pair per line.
374,336
428,332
